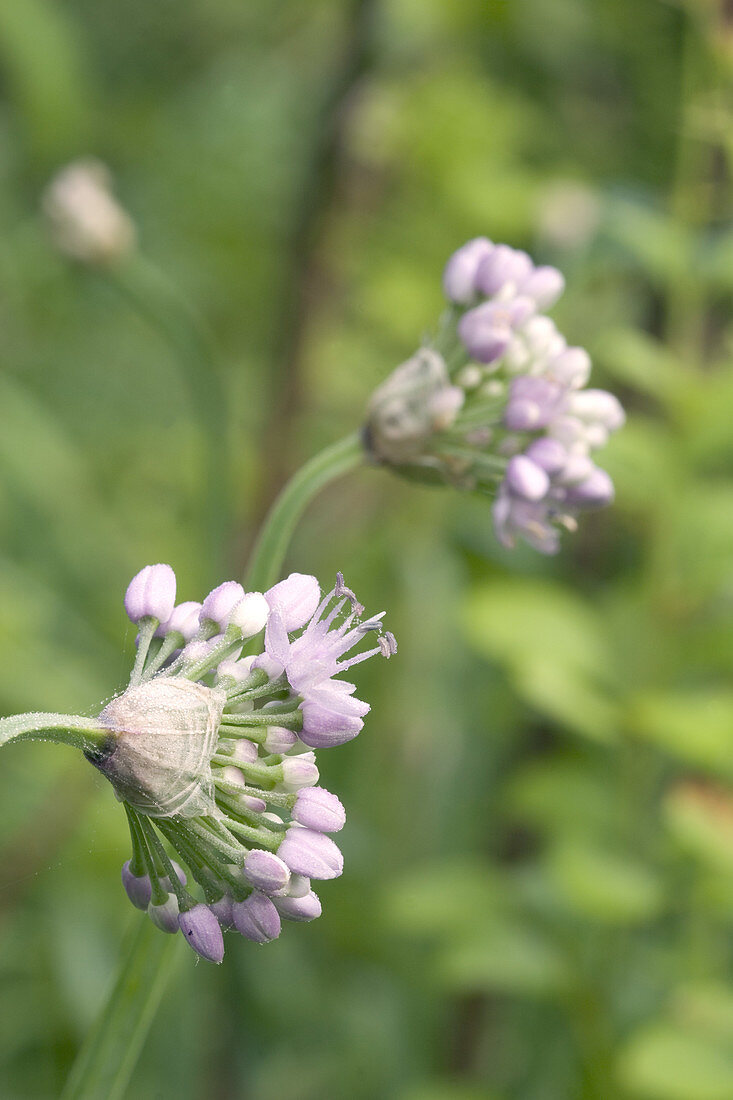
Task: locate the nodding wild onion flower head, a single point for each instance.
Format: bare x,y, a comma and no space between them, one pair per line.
211,751
85,220
498,403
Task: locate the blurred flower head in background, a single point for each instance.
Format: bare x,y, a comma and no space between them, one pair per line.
498,404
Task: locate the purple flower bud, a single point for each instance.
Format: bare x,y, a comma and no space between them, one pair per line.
526,479
151,594
318,809
165,916
266,871
279,740
299,886
137,887
219,604
184,620
311,854
299,771
296,598
180,874
547,453
459,277
250,614
485,338
502,267
202,932
331,715
596,491
222,910
544,285
256,918
533,403
305,908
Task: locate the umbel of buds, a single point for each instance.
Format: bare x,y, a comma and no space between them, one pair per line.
499,403
211,752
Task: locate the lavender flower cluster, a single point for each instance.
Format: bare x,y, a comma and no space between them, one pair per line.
499,403
213,750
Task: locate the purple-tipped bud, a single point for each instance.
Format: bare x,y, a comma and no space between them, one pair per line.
137,887
256,918
244,752
165,916
279,740
254,805
222,910
219,604
250,614
526,479
595,492
296,599
544,285
504,266
151,594
318,809
184,620
547,453
266,871
305,908
459,277
311,854
485,338
202,932
299,771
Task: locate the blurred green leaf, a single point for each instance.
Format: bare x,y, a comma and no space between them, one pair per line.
693,724
604,885
42,55
552,644
506,957
664,1062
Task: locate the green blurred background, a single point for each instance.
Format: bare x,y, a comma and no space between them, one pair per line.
538,897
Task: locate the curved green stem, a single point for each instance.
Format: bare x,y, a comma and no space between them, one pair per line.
150,294
108,1056
271,547
65,729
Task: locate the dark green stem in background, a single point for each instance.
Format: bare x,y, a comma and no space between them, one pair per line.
151,295
277,531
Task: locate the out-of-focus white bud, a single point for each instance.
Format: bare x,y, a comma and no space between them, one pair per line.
86,221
